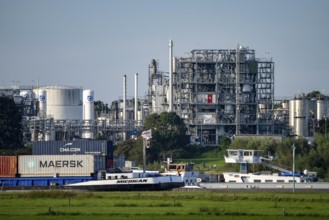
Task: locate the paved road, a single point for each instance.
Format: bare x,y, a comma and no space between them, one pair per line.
280,186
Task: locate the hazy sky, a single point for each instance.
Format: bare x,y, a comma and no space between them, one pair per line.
94,43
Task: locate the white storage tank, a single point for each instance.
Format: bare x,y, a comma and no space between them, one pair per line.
299,115
88,114
64,102
26,94
42,98
291,113
321,109
88,105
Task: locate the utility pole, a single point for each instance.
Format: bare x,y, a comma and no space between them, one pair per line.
293,166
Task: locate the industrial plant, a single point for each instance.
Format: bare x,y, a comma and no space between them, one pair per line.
218,92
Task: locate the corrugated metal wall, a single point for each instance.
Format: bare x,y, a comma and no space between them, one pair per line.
8,166
76,147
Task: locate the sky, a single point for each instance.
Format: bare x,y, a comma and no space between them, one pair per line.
93,44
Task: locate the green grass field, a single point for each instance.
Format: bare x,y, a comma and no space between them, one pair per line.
162,205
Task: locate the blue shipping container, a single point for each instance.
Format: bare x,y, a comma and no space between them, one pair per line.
91,147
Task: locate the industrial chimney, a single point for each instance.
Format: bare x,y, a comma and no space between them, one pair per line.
170,76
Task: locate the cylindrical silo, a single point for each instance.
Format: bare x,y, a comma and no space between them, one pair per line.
320,109
300,116
88,114
88,105
291,113
42,98
64,102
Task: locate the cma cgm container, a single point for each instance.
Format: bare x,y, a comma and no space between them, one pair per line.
92,147
8,166
55,165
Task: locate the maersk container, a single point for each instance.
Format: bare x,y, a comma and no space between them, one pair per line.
76,147
55,165
8,166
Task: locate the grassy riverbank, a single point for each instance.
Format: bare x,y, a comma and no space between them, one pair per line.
162,205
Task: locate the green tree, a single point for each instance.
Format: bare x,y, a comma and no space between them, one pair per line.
315,94
10,124
169,136
323,127
132,149
224,143
100,107
321,157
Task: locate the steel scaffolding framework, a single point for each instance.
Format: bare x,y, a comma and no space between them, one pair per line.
224,93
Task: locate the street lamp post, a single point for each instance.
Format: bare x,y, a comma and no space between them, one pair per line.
146,135
293,166
144,155
325,127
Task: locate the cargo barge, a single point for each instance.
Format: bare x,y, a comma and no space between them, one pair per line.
178,175
130,181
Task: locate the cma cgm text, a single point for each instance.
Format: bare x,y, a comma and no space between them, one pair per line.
69,149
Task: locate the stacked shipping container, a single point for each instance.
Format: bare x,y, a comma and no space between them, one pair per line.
58,162
55,165
8,166
102,150
90,147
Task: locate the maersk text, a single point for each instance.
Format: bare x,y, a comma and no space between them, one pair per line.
61,163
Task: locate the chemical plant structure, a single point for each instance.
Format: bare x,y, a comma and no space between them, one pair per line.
64,113
218,93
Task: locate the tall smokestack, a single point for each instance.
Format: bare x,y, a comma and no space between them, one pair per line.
170,76
136,98
124,98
